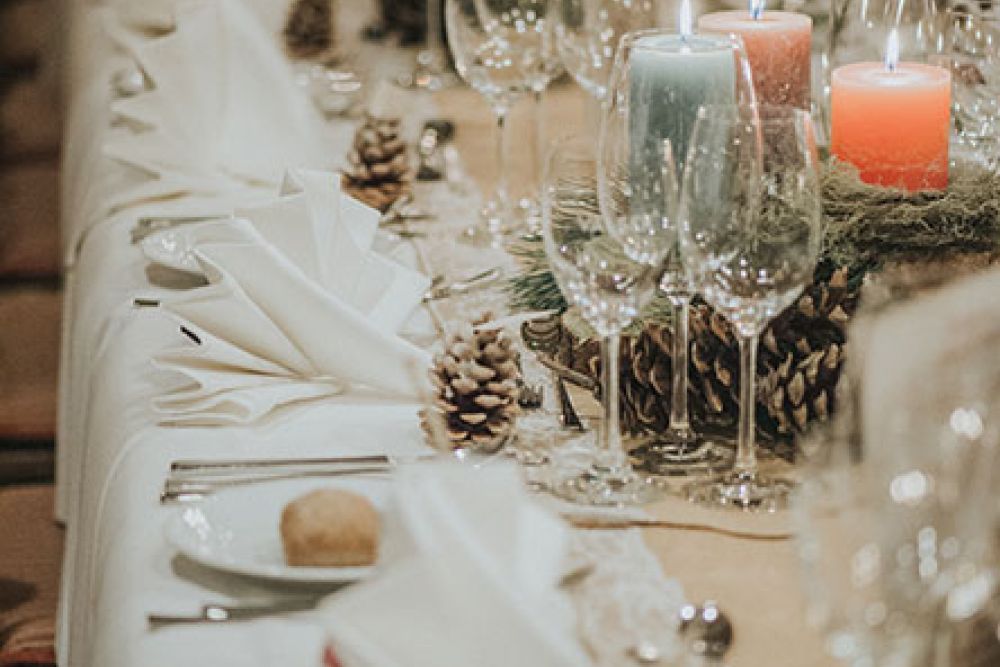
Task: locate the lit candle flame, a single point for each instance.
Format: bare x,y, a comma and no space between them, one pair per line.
685,24
892,50
757,9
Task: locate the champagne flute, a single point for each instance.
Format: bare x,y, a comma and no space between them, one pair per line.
587,36
596,275
750,233
528,25
647,105
489,62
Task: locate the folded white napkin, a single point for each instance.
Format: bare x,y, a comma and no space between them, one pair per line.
160,15
298,307
224,111
468,575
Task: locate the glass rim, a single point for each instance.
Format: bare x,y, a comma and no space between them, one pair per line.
631,38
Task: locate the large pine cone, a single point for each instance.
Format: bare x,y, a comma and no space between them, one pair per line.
476,382
379,171
798,366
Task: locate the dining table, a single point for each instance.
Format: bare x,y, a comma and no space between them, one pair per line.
114,449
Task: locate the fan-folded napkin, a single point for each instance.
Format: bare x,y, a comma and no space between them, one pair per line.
298,307
223,111
468,575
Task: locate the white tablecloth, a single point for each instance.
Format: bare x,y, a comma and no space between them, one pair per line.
112,454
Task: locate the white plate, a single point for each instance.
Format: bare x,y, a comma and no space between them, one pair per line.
170,248
237,530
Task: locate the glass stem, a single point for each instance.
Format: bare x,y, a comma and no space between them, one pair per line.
434,43
613,455
539,129
746,456
679,422
502,193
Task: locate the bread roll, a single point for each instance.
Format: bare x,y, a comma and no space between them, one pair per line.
330,528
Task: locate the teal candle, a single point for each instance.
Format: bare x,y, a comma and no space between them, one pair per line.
670,77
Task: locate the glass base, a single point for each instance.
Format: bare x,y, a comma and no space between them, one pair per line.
741,490
681,453
612,487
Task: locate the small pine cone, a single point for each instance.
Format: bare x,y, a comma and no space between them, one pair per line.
309,28
379,171
477,382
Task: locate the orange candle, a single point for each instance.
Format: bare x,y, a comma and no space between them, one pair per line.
891,120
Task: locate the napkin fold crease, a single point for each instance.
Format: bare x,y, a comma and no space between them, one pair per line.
298,307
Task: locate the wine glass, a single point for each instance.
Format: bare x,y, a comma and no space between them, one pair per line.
490,63
587,36
898,540
528,25
969,46
749,237
596,275
651,101
431,71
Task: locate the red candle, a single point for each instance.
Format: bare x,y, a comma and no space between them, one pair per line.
778,47
891,121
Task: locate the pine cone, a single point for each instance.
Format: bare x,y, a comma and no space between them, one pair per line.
798,366
309,28
476,381
379,171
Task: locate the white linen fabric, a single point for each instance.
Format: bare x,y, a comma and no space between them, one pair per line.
298,307
223,112
443,539
905,344
118,566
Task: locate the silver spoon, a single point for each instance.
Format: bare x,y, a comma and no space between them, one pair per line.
706,631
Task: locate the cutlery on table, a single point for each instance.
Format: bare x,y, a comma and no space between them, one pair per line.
193,479
216,465
404,210
150,224
477,281
706,631
224,613
182,490
220,613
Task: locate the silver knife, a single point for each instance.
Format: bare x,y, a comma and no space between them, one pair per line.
218,613
223,465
